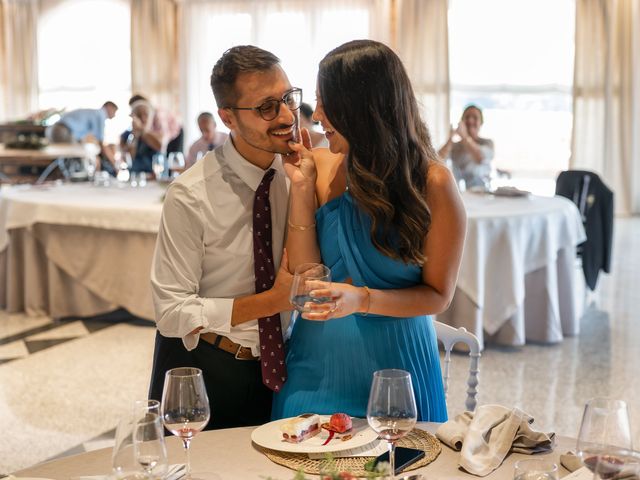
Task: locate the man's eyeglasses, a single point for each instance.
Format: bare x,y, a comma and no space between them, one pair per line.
271,108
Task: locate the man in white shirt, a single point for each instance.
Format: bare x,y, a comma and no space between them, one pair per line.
209,140
205,272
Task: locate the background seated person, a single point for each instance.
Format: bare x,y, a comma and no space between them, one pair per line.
306,121
141,143
209,140
165,126
470,156
86,125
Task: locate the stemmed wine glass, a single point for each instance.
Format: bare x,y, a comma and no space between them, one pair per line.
392,411
185,405
158,165
604,443
149,447
176,162
300,288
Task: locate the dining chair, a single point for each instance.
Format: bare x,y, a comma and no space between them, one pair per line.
449,336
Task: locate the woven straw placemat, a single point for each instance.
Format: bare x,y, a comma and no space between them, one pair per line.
417,438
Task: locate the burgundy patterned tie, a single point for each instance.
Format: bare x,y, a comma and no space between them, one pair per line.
274,371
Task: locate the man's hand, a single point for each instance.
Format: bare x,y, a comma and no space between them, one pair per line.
282,285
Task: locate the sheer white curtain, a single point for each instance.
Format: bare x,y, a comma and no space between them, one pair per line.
154,50
18,58
299,32
606,128
423,45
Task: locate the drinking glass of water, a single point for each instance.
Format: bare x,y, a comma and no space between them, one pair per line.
392,411
535,469
149,447
301,289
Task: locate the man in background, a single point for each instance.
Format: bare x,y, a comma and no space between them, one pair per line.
209,140
84,125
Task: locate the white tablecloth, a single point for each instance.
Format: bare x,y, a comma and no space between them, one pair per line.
230,454
517,279
78,249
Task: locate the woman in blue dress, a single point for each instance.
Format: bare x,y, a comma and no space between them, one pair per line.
384,214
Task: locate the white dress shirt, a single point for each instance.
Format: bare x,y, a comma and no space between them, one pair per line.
204,252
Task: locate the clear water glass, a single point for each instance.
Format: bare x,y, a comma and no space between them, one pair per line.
392,411
301,289
149,447
535,469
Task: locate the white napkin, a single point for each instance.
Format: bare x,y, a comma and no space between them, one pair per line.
484,437
174,472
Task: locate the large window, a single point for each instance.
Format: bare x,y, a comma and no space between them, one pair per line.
300,33
514,58
84,57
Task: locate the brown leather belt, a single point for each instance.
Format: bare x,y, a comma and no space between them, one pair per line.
223,343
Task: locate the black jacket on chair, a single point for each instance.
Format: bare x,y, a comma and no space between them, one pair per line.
595,202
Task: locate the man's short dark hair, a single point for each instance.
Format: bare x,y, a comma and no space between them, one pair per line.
235,61
110,104
136,98
206,115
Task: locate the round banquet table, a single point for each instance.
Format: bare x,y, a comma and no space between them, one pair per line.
78,249
230,454
518,279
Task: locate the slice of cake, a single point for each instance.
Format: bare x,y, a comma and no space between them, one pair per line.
298,429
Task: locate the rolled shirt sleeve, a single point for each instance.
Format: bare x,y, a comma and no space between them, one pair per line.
176,271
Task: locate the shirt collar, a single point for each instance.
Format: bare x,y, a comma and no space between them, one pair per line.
247,171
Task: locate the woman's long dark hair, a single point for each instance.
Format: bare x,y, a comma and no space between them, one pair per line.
368,98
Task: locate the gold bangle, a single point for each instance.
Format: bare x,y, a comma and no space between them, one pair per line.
366,312
302,228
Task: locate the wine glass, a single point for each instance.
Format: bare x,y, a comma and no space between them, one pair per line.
149,448
300,289
185,405
392,411
535,469
604,442
158,165
176,162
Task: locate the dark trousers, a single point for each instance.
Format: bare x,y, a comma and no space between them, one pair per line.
236,393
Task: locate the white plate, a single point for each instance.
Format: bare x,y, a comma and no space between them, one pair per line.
270,436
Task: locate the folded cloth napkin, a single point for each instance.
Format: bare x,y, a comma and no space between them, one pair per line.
570,461
484,437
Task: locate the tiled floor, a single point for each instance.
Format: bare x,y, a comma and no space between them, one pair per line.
63,386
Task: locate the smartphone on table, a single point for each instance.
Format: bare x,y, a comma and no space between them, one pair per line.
403,457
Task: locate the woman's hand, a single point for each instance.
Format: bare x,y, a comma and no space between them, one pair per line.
462,130
300,165
340,300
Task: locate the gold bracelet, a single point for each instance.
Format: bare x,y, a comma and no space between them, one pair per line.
366,312
302,228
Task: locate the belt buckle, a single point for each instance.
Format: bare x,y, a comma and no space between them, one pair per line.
240,347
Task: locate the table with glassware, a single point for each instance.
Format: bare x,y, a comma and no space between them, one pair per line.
518,278
230,454
78,249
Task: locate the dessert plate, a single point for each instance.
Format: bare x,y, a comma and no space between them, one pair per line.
270,436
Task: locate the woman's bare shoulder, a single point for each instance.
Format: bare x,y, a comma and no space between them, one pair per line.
330,181
438,174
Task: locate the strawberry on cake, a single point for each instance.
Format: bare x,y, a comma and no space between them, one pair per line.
300,428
